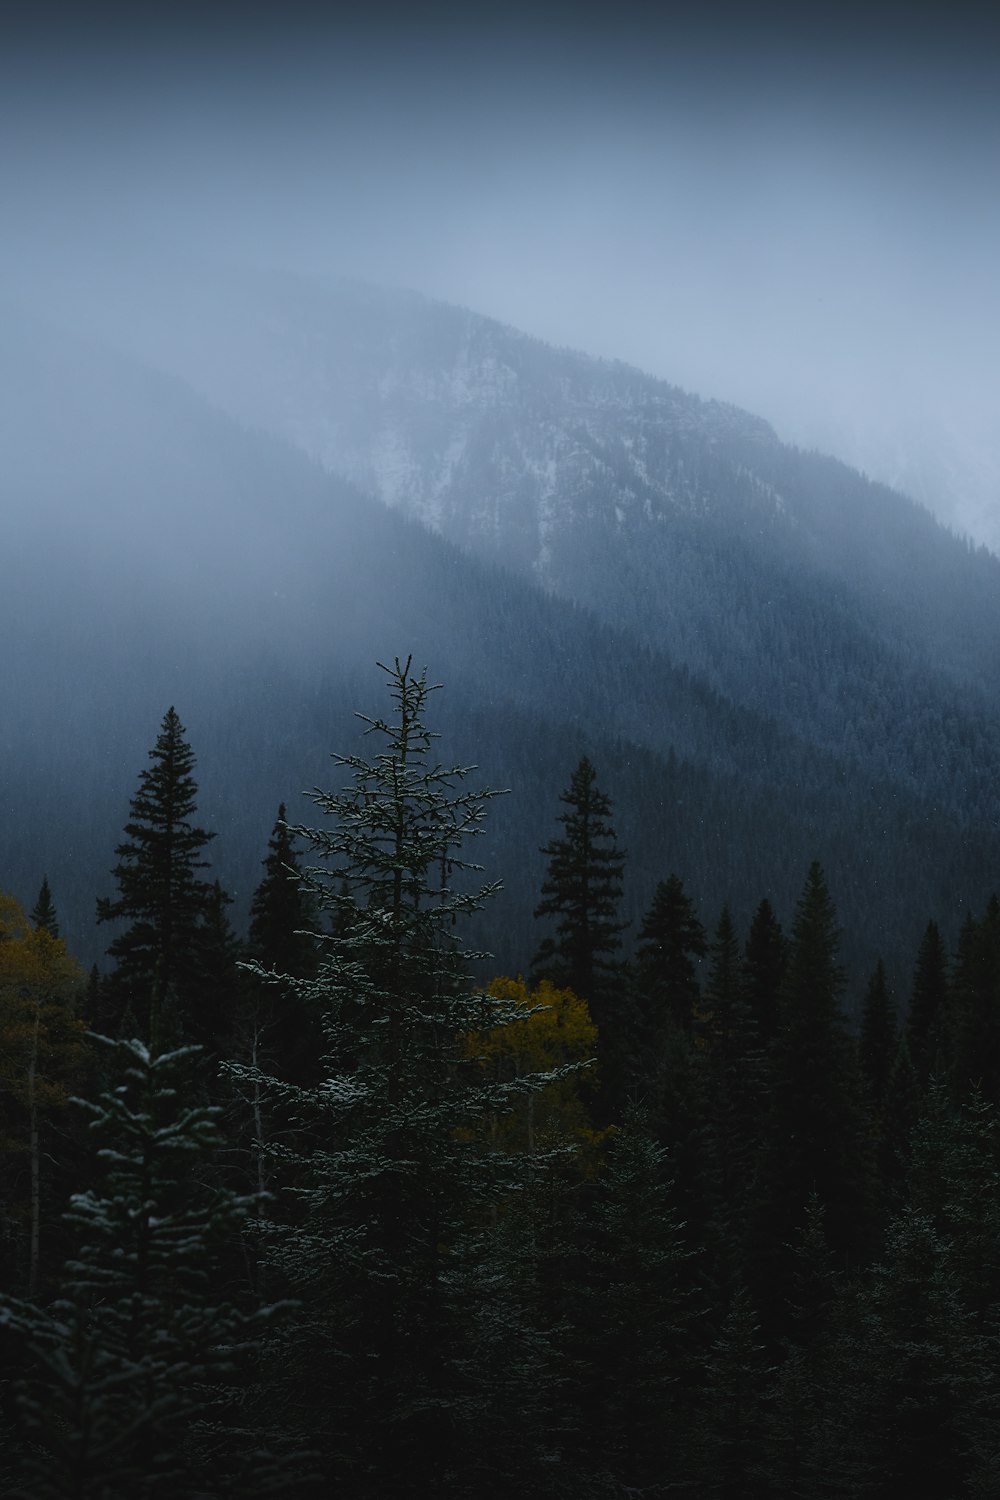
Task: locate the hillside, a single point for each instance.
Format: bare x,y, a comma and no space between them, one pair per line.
747,709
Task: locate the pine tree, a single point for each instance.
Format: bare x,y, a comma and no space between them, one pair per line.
816,1139
737,1094
582,890
43,913
633,1316
395,1186
731,1420
281,940
281,915
160,891
127,1390
671,939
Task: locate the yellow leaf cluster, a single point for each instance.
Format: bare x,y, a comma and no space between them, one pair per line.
41,1039
556,1030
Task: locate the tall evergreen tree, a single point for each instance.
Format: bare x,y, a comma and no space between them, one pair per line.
282,941
632,1313
43,913
671,940
816,1138
737,1094
395,1186
161,893
281,914
127,1388
582,891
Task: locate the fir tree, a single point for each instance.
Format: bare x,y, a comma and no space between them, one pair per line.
43,913
281,915
816,1140
281,941
127,1388
582,891
395,1189
737,1094
160,891
731,1419
633,1313
671,940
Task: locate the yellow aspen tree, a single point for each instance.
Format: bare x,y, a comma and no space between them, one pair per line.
42,1050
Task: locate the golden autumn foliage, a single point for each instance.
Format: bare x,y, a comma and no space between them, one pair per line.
557,1030
42,1050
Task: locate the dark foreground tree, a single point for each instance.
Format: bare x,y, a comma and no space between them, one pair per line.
388,1367
128,1388
161,893
816,1139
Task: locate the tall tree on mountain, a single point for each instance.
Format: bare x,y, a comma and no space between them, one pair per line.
391,1253
43,913
671,939
160,891
582,890
815,1137
737,1094
282,915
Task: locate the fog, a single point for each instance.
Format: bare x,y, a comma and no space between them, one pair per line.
798,214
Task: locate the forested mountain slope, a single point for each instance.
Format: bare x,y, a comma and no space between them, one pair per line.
158,552
783,579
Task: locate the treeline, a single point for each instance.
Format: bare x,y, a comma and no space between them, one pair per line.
307,1212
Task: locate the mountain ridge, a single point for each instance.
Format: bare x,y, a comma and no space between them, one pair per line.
270,583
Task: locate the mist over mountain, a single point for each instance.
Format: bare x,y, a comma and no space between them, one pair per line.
769,658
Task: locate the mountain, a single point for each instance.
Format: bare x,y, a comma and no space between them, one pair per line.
767,658
782,579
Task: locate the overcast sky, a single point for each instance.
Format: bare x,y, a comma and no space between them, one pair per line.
792,209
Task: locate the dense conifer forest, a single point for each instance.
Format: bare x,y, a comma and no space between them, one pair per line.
316,1202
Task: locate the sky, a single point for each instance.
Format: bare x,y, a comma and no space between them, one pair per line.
796,209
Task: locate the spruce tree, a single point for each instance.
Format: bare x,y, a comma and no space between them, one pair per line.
161,893
737,1095
632,1312
671,940
282,942
43,913
815,1136
281,915
395,1190
582,890
127,1390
